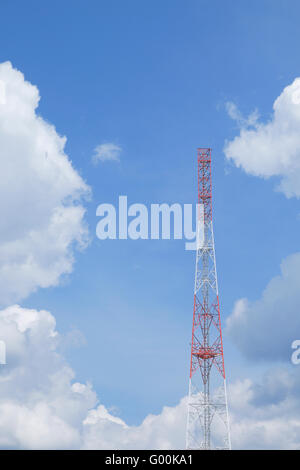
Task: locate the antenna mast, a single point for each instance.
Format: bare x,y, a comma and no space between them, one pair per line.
207,422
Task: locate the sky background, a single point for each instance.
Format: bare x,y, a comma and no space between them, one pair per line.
154,77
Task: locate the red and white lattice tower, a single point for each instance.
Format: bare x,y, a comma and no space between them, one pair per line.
207,422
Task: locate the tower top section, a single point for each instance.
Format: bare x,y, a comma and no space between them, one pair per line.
204,182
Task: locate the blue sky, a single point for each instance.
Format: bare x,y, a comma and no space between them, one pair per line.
154,78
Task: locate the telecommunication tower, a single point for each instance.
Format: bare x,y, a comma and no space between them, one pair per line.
207,422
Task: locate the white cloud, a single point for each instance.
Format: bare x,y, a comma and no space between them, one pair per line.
40,406
264,329
40,193
266,415
106,152
236,115
163,431
271,148
263,415
43,407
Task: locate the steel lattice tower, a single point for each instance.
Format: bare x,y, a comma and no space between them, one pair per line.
207,422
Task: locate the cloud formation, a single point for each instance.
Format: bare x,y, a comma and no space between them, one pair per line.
43,407
106,152
265,329
266,415
271,148
40,194
41,404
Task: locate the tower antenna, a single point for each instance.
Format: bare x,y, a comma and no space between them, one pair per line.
208,421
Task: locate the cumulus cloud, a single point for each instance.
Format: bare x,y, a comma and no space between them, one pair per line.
163,431
265,329
42,406
271,148
106,152
266,415
40,193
